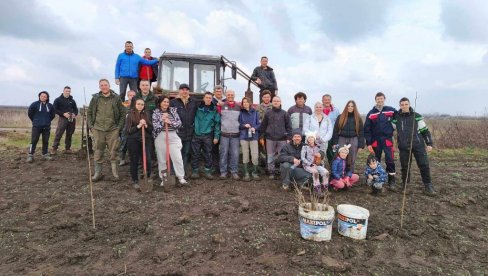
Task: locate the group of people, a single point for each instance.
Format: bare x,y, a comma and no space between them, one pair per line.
302,145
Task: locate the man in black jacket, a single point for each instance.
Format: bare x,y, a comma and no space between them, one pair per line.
186,108
65,107
413,138
264,76
290,162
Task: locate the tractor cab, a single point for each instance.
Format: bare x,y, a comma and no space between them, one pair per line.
201,72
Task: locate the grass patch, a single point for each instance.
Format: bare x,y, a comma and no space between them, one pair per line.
22,139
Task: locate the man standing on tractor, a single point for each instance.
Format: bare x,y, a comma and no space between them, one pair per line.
127,69
67,110
264,76
106,116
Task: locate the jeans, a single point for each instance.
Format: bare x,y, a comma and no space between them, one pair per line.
201,144
299,175
123,86
36,133
185,153
229,154
273,149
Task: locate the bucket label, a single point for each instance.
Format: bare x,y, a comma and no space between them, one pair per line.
315,222
351,220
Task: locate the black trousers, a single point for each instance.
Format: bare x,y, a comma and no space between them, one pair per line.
134,145
202,148
422,160
36,133
69,127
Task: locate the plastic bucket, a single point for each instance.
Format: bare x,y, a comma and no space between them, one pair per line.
316,225
352,221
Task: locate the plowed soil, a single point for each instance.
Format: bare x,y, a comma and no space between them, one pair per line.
226,228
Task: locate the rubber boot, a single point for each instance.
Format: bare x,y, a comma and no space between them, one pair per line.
115,170
254,173
392,182
98,172
208,174
429,189
246,177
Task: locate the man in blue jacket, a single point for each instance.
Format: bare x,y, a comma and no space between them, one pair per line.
127,69
378,132
41,113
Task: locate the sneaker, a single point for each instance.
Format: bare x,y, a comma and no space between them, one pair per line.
182,181
164,177
195,175
46,157
54,151
30,158
161,184
235,176
285,187
209,176
223,176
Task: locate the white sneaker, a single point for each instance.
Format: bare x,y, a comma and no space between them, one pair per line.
162,184
182,181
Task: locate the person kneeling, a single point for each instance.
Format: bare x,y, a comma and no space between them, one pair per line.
375,175
342,176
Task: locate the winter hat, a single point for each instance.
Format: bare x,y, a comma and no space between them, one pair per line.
296,131
345,149
310,134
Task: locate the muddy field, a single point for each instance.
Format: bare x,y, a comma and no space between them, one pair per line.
227,228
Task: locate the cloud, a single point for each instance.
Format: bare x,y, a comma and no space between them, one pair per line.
465,21
350,20
29,20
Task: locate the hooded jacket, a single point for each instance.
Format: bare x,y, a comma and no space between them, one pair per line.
405,123
62,105
289,152
127,65
41,114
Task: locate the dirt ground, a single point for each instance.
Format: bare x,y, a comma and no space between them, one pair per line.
226,228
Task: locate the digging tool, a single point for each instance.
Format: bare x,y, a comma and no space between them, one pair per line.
168,160
89,169
146,186
409,164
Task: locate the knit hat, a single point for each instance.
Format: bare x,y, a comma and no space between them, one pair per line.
310,134
345,149
296,131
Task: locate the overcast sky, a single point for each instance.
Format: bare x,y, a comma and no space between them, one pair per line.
349,49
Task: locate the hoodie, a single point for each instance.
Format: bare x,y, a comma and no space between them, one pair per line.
41,114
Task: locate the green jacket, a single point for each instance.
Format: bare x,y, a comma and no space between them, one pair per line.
149,102
118,111
207,121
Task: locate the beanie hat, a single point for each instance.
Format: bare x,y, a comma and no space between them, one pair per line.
345,149
296,131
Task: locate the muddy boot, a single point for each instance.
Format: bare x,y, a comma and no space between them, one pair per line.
392,182
98,172
429,190
115,170
246,177
195,174
46,157
208,174
30,158
254,173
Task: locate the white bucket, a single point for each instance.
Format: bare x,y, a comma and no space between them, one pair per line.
352,221
316,225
